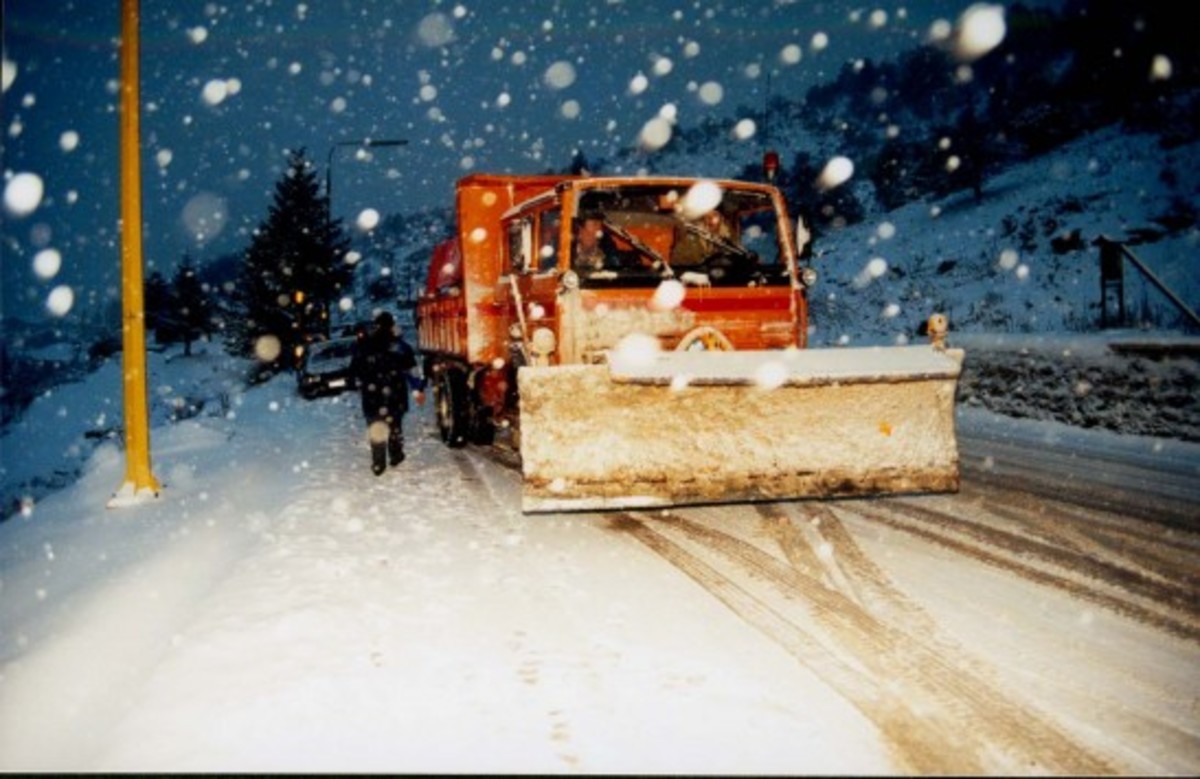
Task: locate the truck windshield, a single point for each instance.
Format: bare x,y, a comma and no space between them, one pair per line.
637,235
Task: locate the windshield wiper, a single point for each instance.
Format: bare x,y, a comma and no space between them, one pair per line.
660,262
718,241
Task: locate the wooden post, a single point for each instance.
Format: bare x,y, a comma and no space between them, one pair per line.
1112,278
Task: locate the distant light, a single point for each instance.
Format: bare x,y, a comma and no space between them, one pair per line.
790,54
198,34
819,42
638,84
68,141
663,66
878,19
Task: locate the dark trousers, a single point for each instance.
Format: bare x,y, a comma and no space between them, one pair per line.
386,437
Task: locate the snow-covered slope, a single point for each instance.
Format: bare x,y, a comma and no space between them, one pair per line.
1021,260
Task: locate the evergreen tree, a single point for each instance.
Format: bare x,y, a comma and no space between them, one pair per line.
157,305
292,272
193,309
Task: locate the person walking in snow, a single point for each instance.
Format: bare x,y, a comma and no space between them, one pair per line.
386,370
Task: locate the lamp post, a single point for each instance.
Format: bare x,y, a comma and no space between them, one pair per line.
366,143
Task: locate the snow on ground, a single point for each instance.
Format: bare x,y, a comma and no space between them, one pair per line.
278,608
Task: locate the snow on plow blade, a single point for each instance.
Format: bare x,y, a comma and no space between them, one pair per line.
717,427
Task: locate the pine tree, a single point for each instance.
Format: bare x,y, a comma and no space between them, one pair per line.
193,309
157,305
292,272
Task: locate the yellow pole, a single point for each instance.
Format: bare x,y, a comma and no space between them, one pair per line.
139,481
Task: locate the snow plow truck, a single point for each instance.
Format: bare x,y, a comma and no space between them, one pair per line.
641,342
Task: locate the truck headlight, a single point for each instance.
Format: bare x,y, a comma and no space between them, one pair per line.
543,343
808,276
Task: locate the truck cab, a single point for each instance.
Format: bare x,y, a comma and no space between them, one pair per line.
692,263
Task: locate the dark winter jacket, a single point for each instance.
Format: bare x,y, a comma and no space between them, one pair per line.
386,370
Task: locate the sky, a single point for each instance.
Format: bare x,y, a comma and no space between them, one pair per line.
228,88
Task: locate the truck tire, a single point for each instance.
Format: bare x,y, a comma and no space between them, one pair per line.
453,407
483,429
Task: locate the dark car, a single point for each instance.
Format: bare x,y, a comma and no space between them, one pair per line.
325,368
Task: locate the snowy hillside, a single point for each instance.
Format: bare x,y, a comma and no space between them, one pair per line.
1022,260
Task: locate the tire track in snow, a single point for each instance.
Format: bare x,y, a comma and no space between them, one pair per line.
937,718
1115,588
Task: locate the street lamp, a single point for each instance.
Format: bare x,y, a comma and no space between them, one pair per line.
366,143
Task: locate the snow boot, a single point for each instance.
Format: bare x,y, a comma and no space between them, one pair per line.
378,459
395,450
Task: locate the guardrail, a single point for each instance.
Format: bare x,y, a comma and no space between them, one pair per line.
1111,254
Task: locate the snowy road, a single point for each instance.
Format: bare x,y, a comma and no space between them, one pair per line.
280,609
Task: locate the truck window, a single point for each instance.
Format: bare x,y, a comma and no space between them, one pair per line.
548,226
648,235
759,234
520,247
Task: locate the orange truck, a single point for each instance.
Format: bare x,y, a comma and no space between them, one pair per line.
641,341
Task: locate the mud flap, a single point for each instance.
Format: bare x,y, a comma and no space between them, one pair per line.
715,427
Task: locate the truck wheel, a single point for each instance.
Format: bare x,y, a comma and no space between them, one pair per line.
452,407
483,431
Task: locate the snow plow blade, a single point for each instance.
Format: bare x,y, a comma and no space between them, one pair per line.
720,427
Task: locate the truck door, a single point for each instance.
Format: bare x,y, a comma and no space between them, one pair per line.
531,277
